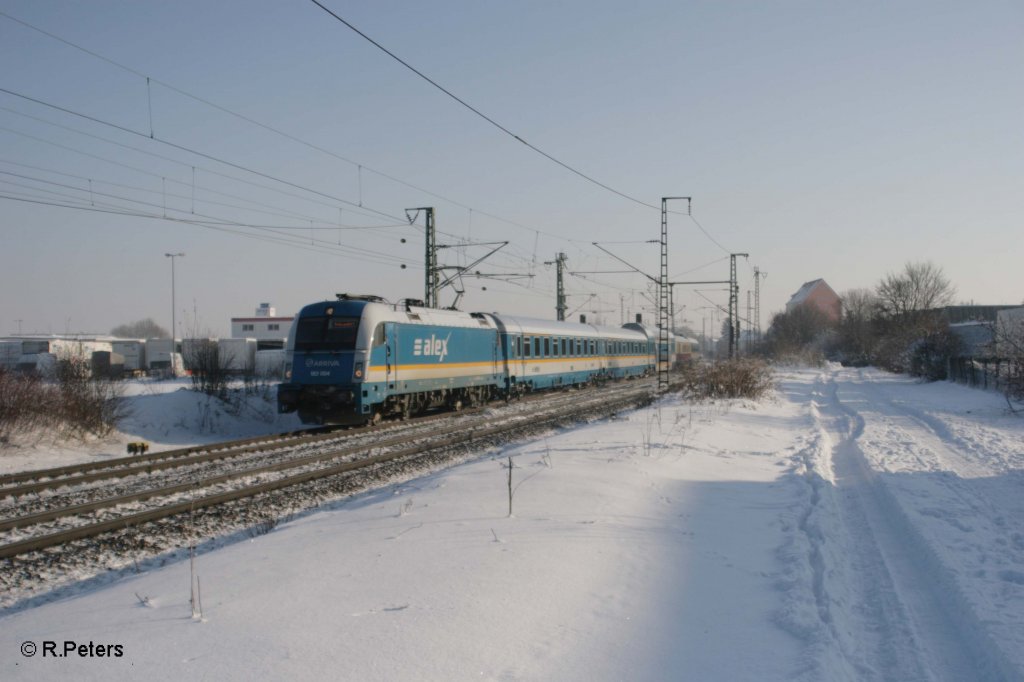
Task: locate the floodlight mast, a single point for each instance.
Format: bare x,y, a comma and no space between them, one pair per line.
172,256
663,354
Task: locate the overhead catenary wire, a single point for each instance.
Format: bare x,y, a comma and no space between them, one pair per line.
213,221
249,235
480,113
324,227
188,165
151,135
162,157
359,166
188,150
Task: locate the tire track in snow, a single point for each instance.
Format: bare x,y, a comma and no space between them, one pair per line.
909,600
854,626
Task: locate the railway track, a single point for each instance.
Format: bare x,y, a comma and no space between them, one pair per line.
49,509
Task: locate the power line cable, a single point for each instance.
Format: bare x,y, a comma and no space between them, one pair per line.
708,234
355,252
272,129
191,151
169,159
219,228
480,113
323,227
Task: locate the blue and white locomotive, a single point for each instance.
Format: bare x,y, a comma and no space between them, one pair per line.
358,358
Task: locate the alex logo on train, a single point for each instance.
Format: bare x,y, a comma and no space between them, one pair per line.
432,346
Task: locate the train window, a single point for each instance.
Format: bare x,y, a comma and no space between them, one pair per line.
564,351
536,346
547,347
326,333
526,348
593,347
379,337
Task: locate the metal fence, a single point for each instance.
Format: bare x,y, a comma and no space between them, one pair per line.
1001,374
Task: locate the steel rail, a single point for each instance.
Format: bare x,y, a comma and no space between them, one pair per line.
122,467
45,541
203,454
84,467
61,512
106,503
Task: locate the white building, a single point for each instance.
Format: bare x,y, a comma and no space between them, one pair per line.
265,325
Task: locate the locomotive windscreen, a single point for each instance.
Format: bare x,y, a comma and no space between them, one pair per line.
326,333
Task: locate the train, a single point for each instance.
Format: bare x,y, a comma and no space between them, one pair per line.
358,359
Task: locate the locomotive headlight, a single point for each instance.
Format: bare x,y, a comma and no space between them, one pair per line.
359,370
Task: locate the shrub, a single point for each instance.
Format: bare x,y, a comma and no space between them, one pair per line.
71,406
737,378
86,405
23,403
209,376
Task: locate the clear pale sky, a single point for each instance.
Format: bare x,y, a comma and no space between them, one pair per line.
825,139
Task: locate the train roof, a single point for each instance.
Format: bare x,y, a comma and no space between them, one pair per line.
653,332
374,312
531,325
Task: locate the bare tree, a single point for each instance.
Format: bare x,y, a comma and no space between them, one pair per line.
207,365
141,329
856,338
796,330
921,286
912,337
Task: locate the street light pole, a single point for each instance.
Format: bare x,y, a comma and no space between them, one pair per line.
172,256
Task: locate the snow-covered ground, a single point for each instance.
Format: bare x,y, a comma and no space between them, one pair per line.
856,526
166,414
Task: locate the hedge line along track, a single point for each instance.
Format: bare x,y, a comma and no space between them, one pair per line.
39,480
75,476
280,460
56,474
121,467
451,436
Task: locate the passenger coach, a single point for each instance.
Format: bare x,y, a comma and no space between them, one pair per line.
544,354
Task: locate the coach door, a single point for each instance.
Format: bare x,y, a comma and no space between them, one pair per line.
391,364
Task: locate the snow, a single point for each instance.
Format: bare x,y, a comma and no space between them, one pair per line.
167,414
856,526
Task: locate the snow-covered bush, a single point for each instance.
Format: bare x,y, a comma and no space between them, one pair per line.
23,398
86,405
737,378
71,405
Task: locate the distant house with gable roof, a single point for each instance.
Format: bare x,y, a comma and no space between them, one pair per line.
819,294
